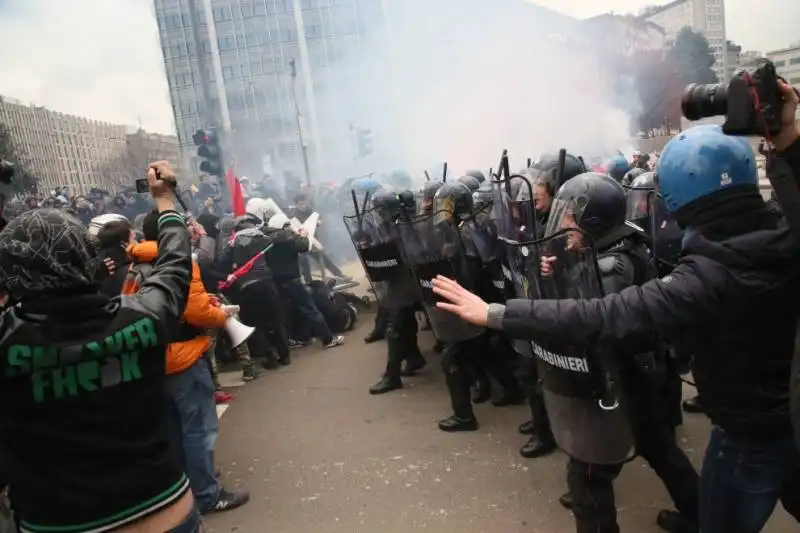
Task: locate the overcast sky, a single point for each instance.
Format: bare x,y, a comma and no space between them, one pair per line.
101,58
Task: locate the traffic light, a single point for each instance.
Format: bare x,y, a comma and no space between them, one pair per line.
208,149
365,143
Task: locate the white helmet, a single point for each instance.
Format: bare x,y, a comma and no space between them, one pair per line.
278,221
256,206
97,223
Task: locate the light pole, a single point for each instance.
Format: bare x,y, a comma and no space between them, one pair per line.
303,144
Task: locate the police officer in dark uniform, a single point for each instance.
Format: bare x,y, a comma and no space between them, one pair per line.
592,208
453,203
632,174
401,321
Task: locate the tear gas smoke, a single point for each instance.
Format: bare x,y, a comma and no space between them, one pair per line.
460,81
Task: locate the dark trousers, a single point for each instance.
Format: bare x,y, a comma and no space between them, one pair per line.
401,339
592,486
298,297
458,364
263,309
529,379
382,321
743,481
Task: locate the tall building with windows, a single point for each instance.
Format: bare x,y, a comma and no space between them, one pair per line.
228,68
80,153
227,64
787,63
703,16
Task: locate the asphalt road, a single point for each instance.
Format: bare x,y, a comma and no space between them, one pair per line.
319,454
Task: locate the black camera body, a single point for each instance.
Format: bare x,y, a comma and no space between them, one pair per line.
751,102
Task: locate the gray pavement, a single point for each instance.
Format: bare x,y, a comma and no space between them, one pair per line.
319,454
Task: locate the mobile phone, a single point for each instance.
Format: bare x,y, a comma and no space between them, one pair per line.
142,186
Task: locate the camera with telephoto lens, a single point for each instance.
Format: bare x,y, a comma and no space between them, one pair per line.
751,102
6,171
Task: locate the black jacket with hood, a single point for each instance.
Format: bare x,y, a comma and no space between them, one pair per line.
282,258
734,293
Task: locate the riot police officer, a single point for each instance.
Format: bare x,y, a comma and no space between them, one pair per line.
631,175
617,167
591,388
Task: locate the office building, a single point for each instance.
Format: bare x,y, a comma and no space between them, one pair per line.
228,66
703,16
66,150
749,56
787,63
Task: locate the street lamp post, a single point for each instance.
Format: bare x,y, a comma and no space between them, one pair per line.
303,144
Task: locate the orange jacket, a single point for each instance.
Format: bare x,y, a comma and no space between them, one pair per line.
199,311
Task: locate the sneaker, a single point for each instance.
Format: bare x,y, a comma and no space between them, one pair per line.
229,500
221,396
250,372
294,345
338,340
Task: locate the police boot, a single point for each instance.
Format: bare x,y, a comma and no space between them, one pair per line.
527,428
693,405
458,385
386,384
541,443
675,522
378,332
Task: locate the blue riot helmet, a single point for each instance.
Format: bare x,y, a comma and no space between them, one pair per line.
592,202
641,196
701,163
477,174
617,167
471,182
426,195
366,186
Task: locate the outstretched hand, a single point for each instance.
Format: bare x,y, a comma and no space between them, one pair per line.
460,301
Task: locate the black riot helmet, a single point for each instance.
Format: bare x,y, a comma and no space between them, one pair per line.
477,174
385,205
593,202
454,199
408,201
640,198
426,195
471,182
631,175
483,197
573,166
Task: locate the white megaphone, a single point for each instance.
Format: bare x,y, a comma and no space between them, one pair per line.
237,332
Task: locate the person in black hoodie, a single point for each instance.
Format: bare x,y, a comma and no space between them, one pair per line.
255,291
283,261
734,292
84,425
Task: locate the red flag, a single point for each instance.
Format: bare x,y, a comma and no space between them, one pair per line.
235,190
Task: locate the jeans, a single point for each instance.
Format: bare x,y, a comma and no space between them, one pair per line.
193,413
742,481
192,524
297,296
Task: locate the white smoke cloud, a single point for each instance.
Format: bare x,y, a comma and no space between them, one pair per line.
463,85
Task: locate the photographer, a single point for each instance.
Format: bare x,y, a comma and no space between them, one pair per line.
734,292
84,424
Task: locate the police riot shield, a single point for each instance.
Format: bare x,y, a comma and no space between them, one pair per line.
580,379
432,246
667,237
378,245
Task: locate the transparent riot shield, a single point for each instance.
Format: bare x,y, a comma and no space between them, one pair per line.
432,246
580,381
377,242
667,237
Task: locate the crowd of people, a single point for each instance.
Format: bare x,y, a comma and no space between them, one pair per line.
582,290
